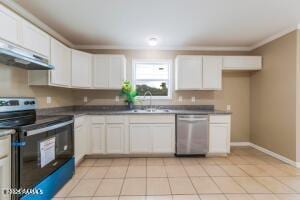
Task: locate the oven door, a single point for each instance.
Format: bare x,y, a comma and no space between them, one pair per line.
44,151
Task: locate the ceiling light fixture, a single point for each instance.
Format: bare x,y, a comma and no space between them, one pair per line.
152,42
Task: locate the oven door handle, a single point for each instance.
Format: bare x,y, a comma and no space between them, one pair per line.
48,128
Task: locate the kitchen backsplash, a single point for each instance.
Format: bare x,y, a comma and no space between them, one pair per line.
14,83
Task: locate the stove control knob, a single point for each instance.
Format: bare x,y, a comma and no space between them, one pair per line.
26,103
3,103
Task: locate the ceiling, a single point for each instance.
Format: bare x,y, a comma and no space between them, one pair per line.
176,23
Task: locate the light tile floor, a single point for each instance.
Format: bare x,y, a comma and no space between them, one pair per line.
246,174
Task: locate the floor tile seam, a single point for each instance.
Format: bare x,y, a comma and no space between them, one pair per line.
278,181
123,182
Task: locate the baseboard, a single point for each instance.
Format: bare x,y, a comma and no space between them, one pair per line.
266,151
240,144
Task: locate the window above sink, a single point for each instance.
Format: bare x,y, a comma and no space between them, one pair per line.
154,76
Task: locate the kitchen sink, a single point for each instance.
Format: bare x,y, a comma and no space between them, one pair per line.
151,111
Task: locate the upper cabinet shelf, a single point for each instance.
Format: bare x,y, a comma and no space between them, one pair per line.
242,62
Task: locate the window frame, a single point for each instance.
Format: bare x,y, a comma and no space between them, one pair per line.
154,61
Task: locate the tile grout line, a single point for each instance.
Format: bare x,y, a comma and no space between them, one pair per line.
184,167
123,181
79,180
277,178
101,181
146,180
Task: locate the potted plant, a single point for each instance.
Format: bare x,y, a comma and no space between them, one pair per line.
129,92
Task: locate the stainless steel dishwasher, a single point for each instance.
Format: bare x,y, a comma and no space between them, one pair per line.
191,135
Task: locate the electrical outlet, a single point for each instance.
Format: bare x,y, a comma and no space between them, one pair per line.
180,98
48,100
228,107
85,99
193,99
117,99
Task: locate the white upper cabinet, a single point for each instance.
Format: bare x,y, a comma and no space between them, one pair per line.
212,72
109,71
21,32
117,71
36,40
10,26
61,59
188,72
81,69
242,62
100,71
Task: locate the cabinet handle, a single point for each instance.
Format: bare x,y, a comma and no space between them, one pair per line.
193,120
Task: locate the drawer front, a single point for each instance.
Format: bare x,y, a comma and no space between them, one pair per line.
97,119
152,119
219,119
115,119
4,146
79,121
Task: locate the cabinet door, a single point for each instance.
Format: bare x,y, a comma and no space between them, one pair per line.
35,39
140,138
61,59
218,138
188,73
212,72
242,62
100,71
115,138
5,176
98,138
80,145
163,138
81,69
117,71
10,26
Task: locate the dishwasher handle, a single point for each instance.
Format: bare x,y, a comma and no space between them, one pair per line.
192,119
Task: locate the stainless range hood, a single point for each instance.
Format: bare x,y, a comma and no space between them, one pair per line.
19,57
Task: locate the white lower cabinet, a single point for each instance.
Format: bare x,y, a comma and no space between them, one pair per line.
97,138
152,134
163,138
219,134
81,138
5,169
140,138
5,176
78,135
141,134
115,138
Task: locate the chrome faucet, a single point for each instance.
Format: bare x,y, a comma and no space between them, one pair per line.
148,92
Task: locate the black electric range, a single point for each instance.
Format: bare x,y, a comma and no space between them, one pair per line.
41,144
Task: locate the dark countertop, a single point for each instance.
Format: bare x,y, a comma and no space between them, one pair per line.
78,111
5,132
139,112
